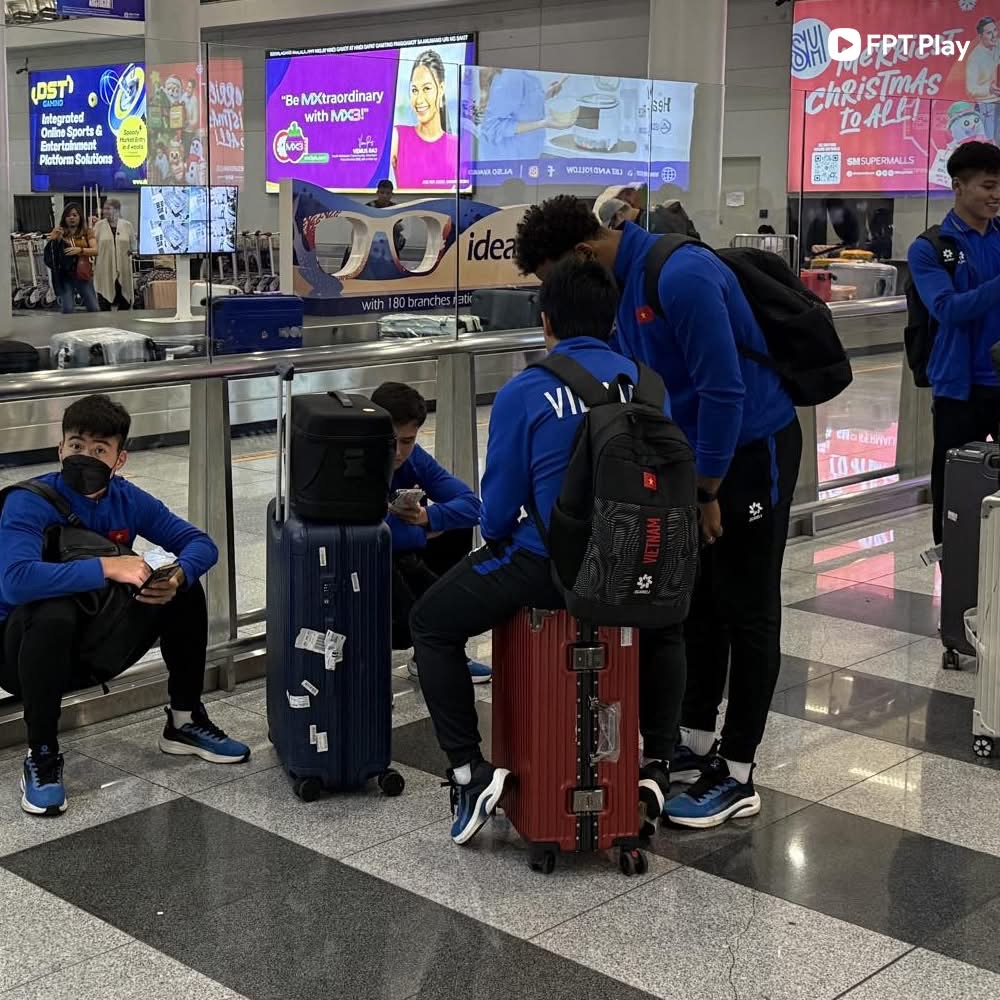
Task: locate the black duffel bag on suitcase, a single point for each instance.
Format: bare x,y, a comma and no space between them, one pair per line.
342,456
17,356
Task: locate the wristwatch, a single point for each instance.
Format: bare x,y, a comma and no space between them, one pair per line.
705,497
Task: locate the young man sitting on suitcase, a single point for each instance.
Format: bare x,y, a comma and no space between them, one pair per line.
532,430
427,539
48,609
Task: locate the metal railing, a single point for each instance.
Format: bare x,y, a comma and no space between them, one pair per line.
210,489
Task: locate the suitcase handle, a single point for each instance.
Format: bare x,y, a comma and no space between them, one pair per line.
342,398
283,471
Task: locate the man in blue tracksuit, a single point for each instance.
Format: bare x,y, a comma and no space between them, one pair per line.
966,306
748,444
44,605
532,429
427,538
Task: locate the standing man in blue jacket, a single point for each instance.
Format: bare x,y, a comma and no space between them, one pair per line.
42,619
748,445
533,425
427,538
965,304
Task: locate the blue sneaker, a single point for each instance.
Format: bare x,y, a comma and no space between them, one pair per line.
686,766
479,672
42,789
474,803
716,797
202,738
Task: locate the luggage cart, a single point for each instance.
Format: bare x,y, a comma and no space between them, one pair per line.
784,245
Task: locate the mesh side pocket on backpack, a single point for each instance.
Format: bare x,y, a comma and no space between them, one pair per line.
680,567
613,550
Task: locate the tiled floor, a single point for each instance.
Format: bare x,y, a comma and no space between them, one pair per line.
871,873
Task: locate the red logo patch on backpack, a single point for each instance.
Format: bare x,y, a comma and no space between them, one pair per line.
649,481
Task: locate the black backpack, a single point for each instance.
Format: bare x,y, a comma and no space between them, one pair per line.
805,349
623,535
921,327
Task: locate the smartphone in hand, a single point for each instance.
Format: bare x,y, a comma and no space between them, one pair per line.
409,499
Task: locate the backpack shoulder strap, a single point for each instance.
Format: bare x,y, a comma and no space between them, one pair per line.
659,254
941,244
574,375
47,493
650,391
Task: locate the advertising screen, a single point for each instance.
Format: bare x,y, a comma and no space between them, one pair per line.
130,10
344,119
555,128
187,220
88,126
196,131
887,119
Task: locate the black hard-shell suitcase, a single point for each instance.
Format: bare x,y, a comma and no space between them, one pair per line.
507,308
329,650
970,476
16,357
342,452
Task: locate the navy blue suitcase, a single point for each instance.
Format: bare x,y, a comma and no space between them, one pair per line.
243,324
329,649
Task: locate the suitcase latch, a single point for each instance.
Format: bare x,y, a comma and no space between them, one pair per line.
538,617
587,801
587,659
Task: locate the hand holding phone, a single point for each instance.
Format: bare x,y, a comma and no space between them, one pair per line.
409,499
162,585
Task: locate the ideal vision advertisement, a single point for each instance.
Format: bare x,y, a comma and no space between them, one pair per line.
888,120
196,128
462,240
87,127
344,121
566,129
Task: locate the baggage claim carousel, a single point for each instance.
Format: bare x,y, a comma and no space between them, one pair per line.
161,415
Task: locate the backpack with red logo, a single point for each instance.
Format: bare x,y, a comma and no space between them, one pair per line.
623,535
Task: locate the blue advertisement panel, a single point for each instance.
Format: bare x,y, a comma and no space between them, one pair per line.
88,126
129,10
576,130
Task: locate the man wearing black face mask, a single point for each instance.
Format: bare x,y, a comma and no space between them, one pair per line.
43,618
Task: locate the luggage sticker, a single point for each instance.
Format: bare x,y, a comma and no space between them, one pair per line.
322,744
311,641
311,688
298,700
356,583
626,638
313,735
322,556
333,651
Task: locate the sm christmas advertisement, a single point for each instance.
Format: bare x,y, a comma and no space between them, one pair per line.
884,114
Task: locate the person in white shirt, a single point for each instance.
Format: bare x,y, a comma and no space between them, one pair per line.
981,74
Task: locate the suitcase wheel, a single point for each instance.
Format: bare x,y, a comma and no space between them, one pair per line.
542,860
308,789
632,862
982,746
950,660
392,783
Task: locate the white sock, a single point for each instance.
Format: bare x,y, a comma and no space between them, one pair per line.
180,718
697,740
463,774
741,772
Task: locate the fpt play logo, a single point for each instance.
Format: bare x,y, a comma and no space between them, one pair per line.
290,144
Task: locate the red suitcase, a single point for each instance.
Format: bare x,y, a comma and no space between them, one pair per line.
561,697
818,281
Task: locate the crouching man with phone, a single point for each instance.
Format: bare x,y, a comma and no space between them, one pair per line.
78,607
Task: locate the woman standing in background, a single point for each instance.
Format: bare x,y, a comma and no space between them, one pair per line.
70,255
115,241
